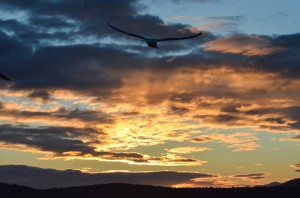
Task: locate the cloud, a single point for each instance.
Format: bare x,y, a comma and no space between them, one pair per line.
57,115
297,138
132,158
178,110
65,22
186,150
79,143
243,44
229,181
51,178
154,107
243,141
227,24
217,18
286,116
217,182
292,138
53,139
254,177
248,146
44,96
296,167
83,91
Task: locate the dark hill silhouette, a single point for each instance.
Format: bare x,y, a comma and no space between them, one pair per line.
292,183
295,183
13,190
131,190
272,184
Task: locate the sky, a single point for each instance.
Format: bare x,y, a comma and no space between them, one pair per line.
89,105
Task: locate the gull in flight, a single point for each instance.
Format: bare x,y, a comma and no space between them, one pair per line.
153,42
4,77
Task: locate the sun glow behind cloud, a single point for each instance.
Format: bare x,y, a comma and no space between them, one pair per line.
149,109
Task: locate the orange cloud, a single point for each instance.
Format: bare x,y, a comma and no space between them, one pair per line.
217,181
253,177
242,141
186,150
243,44
153,108
248,146
129,158
293,138
296,167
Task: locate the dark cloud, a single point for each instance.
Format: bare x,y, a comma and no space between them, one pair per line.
285,62
226,118
292,138
54,139
63,114
178,110
232,108
66,67
253,176
76,9
202,139
50,178
290,113
276,120
66,142
43,95
63,140
297,137
83,115
90,68
12,48
85,21
274,54
49,59
53,22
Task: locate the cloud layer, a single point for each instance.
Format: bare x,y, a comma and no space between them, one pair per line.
83,91
50,178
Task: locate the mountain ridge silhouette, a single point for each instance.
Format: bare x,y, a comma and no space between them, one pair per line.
291,187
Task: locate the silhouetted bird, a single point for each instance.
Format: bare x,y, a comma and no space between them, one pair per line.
153,42
4,77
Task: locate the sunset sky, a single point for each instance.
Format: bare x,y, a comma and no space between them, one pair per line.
90,105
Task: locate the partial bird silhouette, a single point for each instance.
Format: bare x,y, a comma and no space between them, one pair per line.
4,77
153,42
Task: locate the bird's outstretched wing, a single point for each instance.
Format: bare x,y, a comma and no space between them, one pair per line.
181,38
131,34
4,77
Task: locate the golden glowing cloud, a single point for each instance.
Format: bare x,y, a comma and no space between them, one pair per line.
185,150
243,44
154,108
